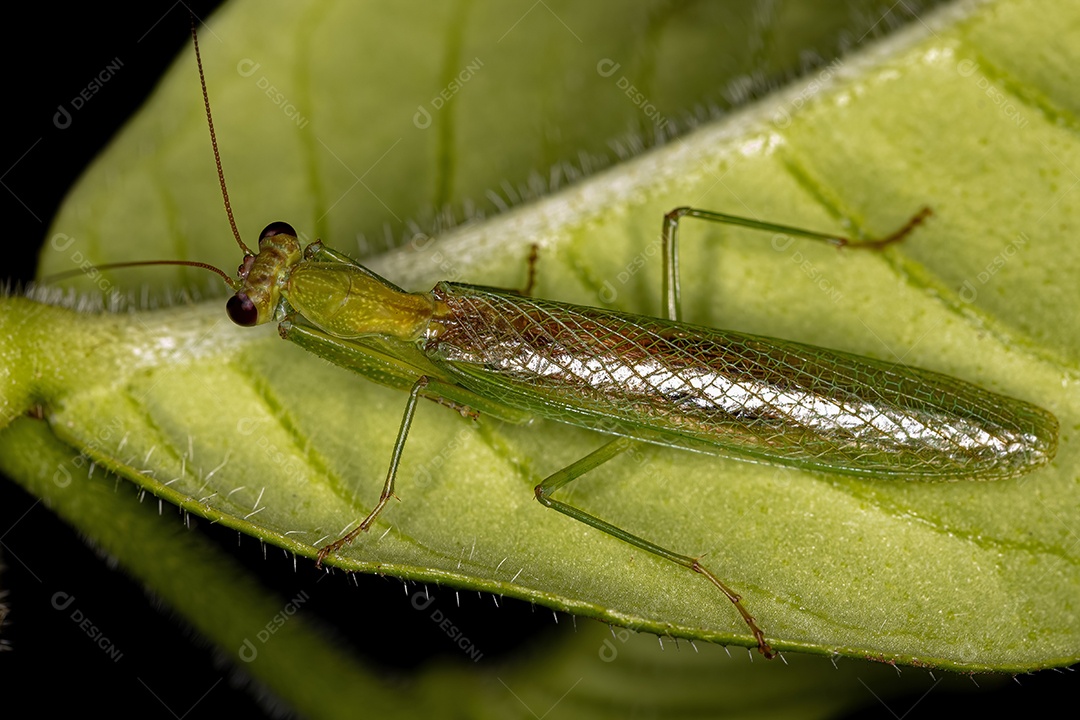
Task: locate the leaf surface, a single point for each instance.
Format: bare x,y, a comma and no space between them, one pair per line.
969,116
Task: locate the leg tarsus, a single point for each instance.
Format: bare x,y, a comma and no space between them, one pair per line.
896,236
461,409
347,539
391,474
530,278
736,600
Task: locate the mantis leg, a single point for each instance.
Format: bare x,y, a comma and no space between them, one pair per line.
554,482
670,292
395,368
530,278
423,387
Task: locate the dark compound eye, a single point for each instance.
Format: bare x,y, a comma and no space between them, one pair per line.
242,311
277,228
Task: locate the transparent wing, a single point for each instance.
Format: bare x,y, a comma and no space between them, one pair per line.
731,393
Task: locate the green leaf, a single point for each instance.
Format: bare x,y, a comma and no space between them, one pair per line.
590,672
969,116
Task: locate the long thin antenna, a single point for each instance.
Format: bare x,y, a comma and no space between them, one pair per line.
213,141
141,263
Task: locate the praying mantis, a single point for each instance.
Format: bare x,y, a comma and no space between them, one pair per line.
343,261
502,353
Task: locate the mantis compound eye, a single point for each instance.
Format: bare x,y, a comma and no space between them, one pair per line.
242,311
277,228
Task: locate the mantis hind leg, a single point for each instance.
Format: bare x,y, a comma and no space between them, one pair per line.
552,483
670,299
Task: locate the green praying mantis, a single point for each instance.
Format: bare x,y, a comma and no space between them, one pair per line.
505,354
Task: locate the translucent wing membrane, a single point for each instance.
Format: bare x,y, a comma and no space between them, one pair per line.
733,394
